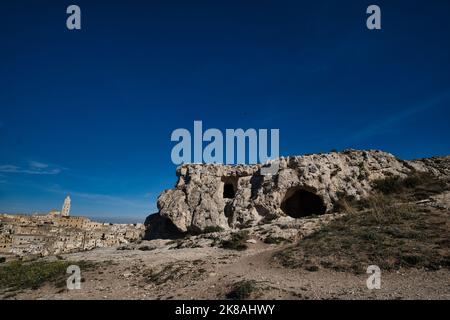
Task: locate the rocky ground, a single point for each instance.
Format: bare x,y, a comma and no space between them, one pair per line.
198,268
211,273
403,227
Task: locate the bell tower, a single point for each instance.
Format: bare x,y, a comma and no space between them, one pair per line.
65,212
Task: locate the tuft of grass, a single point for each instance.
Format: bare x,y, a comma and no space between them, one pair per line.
242,290
274,240
212,229
168,273
389,185
345,203
312,268
237,241
174,272
17,275
146,248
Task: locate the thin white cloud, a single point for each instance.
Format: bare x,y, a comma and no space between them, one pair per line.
8,168
34,167
38,165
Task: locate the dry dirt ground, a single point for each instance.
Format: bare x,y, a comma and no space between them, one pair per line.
416,234
210,273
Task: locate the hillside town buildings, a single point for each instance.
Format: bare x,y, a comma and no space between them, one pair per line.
58,232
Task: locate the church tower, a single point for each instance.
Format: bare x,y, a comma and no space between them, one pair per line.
66,207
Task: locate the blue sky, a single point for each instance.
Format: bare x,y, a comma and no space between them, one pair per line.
89,113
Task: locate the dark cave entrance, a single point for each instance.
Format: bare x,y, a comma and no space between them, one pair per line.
228,191
229,187
300,203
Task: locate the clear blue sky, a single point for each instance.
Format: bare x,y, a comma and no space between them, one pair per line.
89,113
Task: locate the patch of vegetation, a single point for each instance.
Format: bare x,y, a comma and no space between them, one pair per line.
212,229
237,241
416,186
17,275
174,272
386,233
2,259
146,248
274,240
206,230
169,272
242,290
123,248
312,268
178,244
346,203
268,218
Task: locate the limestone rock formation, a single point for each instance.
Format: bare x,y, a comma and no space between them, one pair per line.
230,197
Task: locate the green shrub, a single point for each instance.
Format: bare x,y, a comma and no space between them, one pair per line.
389,185
274,240
212,229
242,290
237,241
146,248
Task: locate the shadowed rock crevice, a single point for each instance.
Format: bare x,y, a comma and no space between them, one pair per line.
300,203
158,227
228,191
230,185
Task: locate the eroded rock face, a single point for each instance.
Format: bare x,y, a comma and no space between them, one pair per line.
229,197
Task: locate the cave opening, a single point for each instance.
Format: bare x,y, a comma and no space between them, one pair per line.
229,187
300,203
228,191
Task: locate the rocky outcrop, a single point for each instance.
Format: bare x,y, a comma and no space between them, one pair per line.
229,197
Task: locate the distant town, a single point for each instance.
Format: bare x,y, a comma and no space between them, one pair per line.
57,232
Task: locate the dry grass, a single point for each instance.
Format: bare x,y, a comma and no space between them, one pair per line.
238,241
386,233
242,290
416,186
174,272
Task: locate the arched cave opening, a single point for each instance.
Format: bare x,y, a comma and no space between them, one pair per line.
300,203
